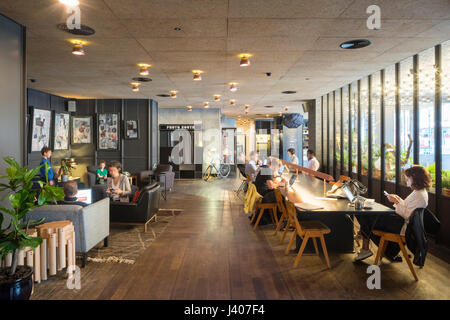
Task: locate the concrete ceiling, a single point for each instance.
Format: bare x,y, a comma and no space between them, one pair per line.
295,40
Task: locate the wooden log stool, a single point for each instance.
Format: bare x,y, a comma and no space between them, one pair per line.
57,248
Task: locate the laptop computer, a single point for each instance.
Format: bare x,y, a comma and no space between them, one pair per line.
84,195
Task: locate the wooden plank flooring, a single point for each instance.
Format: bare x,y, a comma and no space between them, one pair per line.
210,252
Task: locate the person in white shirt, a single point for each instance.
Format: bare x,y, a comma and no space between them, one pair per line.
251,167
313,163
419,180
292,157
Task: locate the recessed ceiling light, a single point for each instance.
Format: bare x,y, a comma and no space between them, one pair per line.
143,68
246,107
355,44
189,108
286,109
245,62
233,102
70,3
173,94
197,75
135,86
78,49
206,104
233,87
217,97
289,92
177,29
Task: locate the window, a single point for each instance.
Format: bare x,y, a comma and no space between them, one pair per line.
426,110
345,127
354,124
389,123
375,118
406,116
337,104
445,115
364,108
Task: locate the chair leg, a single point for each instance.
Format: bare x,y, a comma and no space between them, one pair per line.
279,224
84,260
254,216
288,225
408,261
315,245
380,250
261,211
291,242
325,252
302,248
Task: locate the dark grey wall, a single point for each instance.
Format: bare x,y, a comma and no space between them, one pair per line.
135,155
12,93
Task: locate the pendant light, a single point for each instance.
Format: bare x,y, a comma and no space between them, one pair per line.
143,71
197,75
173,94
135,86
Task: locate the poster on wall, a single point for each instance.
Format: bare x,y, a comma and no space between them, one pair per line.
81,130
131,129
108,131
62,126
40,129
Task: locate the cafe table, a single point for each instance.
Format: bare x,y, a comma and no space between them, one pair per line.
335,213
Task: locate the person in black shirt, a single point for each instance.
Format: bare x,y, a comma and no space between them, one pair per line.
265,184
70,194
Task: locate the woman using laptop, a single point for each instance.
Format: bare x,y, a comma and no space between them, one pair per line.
419,180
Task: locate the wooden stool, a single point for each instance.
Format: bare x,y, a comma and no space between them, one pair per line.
56,236
261,206
397,238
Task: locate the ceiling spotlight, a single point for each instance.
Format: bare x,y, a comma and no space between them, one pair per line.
280,113
246,112
197,75
173,94
78,49
245,62
233,87
267,115
286,109
246,107
135,86
189,108
233,102
206,104
70,3
144,69
217,97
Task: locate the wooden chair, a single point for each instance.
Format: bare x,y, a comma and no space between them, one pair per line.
284,215
261,207
307,230
397,238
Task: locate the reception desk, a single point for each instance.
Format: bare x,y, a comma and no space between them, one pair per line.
336,214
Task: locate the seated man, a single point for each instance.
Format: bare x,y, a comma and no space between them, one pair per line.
265,184
251,168
70,194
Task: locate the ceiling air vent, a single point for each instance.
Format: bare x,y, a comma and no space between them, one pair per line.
289,92
140,79
83,31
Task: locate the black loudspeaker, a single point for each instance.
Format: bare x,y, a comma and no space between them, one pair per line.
293,120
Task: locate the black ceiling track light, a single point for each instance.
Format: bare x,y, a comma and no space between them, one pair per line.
164,95
140,79
268,106
355,44
83,31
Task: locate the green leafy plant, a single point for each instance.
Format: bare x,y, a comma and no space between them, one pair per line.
22,198
66,168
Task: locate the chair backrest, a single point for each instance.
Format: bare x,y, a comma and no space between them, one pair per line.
241,168
279,199
161,168
292,211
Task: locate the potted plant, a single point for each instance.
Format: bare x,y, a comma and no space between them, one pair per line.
66,170
16,281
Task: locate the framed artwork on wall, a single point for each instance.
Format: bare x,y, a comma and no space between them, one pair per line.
81,130
40,129
131,129
108,131
61,129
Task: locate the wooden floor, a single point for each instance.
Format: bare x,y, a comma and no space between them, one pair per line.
211,252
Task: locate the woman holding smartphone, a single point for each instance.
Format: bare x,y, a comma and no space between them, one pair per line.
118,185
419,180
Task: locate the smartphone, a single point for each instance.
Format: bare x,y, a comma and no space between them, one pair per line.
385,193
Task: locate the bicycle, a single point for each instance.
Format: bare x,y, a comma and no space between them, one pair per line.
222,172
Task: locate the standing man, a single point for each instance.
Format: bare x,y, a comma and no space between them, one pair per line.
313,163
46,155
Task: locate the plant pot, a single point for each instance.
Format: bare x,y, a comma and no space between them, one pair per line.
446,192
17,287
65,178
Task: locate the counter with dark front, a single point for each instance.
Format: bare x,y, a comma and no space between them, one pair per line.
336,214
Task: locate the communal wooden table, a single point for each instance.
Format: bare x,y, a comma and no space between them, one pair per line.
336,214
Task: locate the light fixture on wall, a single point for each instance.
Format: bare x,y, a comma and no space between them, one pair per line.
143,69
70,3
233,102
233,86
173,94
135,86
245,62
197,75
217,97
189,108
78,47
206,104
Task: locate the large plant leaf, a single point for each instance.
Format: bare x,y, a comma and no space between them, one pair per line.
32,242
